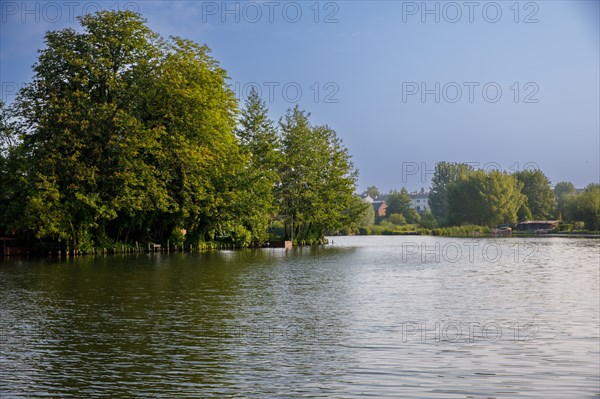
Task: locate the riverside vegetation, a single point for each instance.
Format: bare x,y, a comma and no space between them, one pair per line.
124,137
465,201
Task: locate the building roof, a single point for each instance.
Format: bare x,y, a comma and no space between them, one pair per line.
540,221
366,198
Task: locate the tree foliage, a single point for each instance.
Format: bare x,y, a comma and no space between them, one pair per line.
318,178
397,219
367,217
584,207
12,163
536,187
373,192
485,199
562,192
445,174
126,136
260,143
428,221
400,203
564,187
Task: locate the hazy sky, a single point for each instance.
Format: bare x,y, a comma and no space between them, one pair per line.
505,84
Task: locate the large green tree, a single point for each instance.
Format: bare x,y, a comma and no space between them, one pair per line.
562,191
88,154
128,136
584,207
444,175
400,203
318,180
260,143
486,199
201,159
536,187
125,136
564,187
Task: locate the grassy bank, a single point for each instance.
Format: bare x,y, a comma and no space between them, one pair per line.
462,231
413,229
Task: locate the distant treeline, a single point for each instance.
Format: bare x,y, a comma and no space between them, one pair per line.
126,137
461,195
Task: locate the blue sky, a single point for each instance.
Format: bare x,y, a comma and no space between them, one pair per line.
507,84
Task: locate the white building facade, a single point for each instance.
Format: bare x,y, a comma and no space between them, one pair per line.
420,201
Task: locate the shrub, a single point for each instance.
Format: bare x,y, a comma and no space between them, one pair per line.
428,221
397,219
461,231
565,227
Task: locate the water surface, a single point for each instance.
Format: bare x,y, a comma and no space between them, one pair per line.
419,317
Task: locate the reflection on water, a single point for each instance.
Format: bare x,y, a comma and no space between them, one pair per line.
420,317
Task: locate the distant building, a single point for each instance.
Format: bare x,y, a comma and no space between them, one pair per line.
420,201
379,204
367,198
379,207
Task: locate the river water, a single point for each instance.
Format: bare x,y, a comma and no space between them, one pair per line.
415,317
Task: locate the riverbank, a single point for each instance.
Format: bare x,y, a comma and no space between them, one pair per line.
458,231
464,231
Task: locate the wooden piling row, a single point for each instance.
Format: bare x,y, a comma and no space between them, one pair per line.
121,248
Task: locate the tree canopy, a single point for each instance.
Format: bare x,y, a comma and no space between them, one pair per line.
400,203
584,207
486,199
318,179
564,187
373,192
536,187
444,175
562,192
125,136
